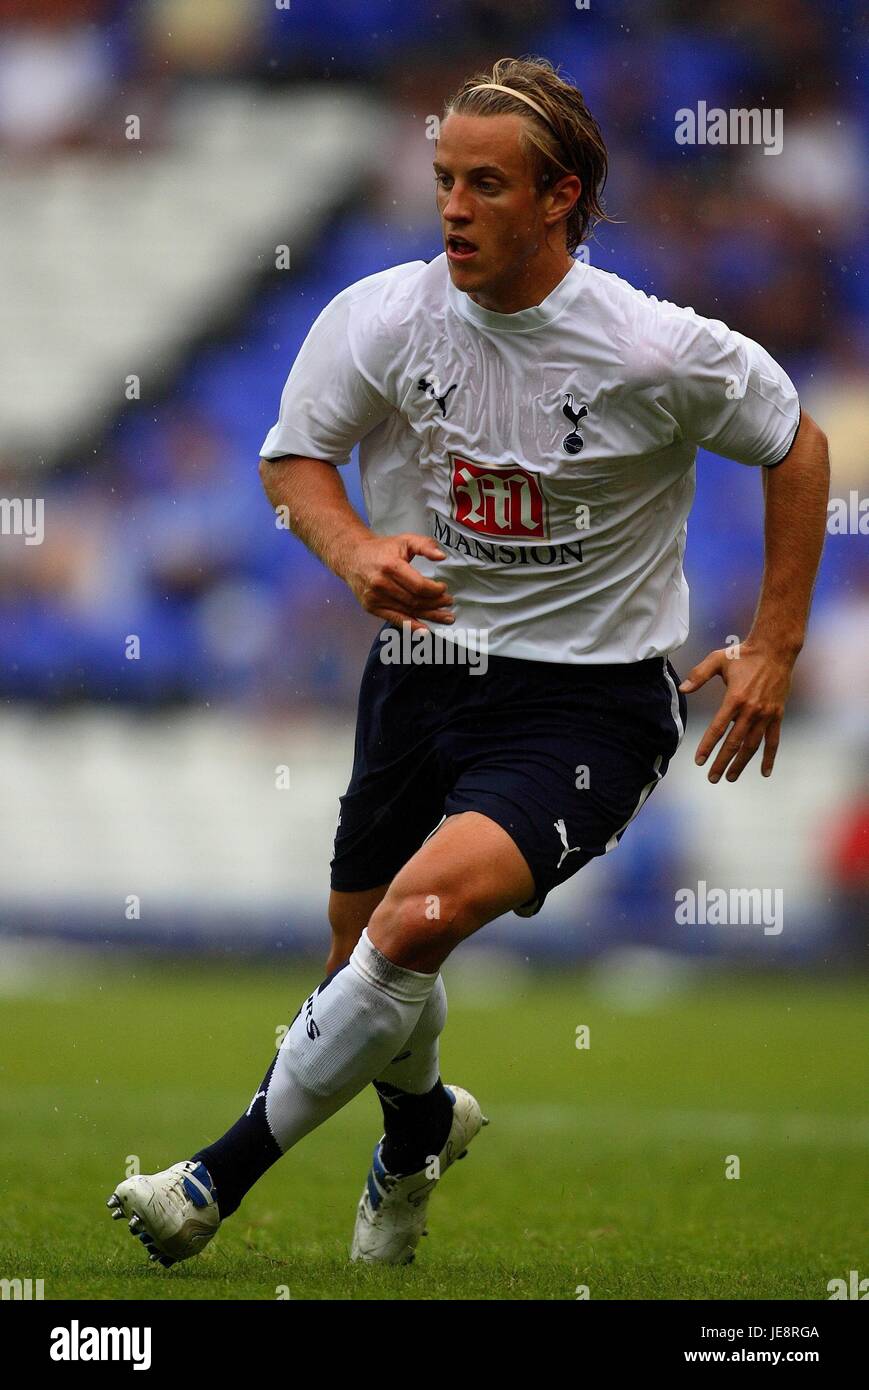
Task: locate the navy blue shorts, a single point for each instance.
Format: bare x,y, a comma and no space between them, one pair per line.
561,757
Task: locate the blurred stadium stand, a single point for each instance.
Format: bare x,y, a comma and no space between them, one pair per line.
147,255
156,257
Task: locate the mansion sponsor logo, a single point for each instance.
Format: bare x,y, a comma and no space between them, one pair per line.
532,556
467,646
77,1343
734,907
499,502
737,126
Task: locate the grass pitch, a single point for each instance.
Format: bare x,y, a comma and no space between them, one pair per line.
602,1167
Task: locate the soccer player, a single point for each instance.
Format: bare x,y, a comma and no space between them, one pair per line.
528,428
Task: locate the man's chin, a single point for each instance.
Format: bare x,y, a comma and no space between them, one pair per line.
466,277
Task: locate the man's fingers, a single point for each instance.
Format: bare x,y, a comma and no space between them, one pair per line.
702,672
397,600
398,619
423,545
743,739
387,581
716,730
392,602
439,615
773,734
750,714
404,577
729,748
417,621
751,740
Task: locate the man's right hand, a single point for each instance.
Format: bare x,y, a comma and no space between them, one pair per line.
380,574
377,569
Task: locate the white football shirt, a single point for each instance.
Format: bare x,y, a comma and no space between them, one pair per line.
550,452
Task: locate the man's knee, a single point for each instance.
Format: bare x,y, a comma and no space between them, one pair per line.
419,930
468,873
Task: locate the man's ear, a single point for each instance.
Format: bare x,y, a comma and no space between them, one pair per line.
566,193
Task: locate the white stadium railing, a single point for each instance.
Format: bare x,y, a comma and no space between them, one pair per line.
207,818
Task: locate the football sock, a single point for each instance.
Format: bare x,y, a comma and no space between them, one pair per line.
415,1068
343,1036
415,1127
245,1152
417,1112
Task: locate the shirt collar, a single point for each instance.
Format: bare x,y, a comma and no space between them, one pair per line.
524,320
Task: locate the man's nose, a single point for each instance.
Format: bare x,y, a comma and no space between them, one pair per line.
456,209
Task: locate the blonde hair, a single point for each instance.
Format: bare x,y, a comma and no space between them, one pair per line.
560,134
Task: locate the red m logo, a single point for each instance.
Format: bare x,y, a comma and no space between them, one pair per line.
498,501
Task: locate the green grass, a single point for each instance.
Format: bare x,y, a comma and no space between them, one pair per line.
603,1167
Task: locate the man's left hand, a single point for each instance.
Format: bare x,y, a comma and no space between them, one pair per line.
758,680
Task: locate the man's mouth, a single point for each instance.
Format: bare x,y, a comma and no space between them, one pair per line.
460,249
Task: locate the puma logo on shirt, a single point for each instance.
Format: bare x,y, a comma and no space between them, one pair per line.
431,389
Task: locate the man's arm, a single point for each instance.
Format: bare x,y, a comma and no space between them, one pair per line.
377,569
758,676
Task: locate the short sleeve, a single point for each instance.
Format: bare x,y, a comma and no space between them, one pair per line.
328,404
729,395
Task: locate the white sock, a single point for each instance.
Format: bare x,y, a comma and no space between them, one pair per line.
344,1035
416,1067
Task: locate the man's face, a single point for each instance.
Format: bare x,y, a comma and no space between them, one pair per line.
491,215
